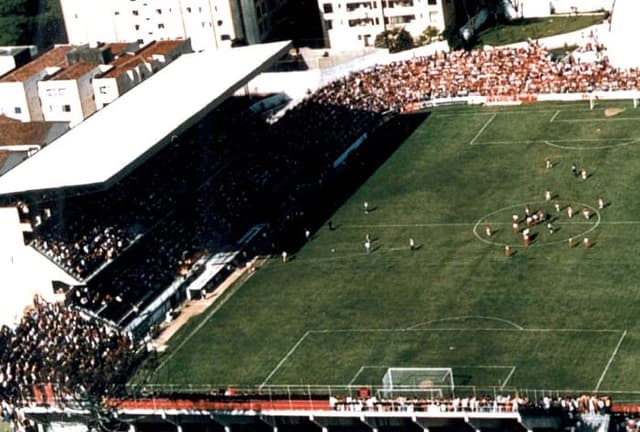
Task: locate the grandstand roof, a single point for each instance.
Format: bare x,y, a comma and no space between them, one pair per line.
115,137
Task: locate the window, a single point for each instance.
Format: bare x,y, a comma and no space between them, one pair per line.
134,12
219,23
116,13
136,27
66,108
189,9
433,2
328,24
225,37
160,26
327,8
159,11
17,110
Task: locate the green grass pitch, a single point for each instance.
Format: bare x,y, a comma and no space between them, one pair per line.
546,317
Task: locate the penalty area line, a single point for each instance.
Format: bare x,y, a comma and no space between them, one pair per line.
284,359
513,369
486,125
613,355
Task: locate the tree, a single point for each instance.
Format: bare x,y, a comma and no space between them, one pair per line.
396,40
452,36
428,35
37,22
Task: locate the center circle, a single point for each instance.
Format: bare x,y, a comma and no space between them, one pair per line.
559,220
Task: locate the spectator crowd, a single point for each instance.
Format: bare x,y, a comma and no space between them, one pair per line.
57,344
583,404
228,172
490,72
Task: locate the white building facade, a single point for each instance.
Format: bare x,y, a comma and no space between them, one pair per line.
19,97
131,69
544,8
210,24
354,24
68,96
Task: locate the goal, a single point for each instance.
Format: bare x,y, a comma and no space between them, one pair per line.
422,382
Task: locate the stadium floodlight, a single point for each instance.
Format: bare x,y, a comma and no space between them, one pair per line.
422,382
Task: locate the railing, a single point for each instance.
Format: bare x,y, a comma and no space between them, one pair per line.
298,391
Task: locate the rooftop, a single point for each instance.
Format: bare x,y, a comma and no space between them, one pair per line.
94,151
128,61
74,72
52,58
15,132
161,47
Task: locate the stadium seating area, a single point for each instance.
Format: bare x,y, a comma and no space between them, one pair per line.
232,170
54,343
492,72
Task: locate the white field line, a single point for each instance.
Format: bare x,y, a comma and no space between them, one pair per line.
554,116
567,140
458,329
486,125
513,369
216,307
522,112
606,119
606,369
355,377
285,358
463,318
362,368
435,224
463,224
577,223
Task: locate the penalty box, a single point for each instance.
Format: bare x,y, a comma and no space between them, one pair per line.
481,357
573,127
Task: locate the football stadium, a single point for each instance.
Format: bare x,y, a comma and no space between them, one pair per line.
553,313
446,242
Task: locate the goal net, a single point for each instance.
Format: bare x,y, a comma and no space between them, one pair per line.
421,382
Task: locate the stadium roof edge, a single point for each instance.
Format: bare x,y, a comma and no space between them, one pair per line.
116,137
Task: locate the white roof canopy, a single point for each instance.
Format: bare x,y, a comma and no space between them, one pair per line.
114,137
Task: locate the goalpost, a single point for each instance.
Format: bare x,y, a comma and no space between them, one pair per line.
423,382
594,97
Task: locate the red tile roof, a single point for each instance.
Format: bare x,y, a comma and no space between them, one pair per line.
161,47
127,62
52,58
118,48
74,72
14,132
123,64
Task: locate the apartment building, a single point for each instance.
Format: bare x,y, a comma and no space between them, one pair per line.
68,83
537,8
12,57
19,97
210,24
354,24
131,68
